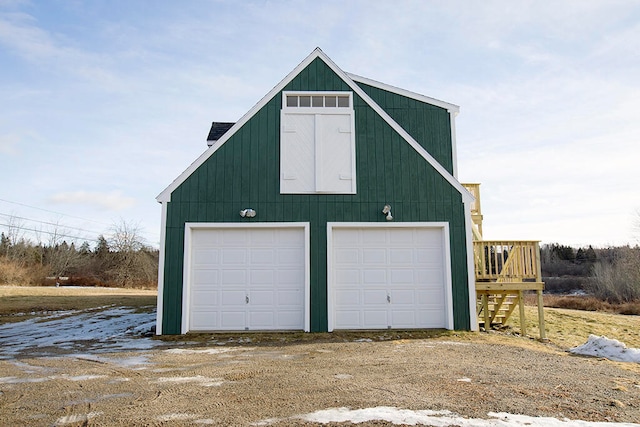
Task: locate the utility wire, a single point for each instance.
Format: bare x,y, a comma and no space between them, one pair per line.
47,210
48,223
55,234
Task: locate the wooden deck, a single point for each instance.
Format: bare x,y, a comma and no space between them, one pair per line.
504,270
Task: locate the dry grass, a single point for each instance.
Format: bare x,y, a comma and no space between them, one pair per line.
38,299
568,328
587,303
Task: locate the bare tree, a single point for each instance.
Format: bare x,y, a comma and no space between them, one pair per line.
134,263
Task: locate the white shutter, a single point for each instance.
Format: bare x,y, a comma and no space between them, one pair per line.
297,153
334,151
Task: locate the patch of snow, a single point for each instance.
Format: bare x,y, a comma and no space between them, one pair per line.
204,421
93,330
198,379
363,340
79,377
77,418
16,380
442,418
464,380
205,350
124,362
343,376
175,417
608,348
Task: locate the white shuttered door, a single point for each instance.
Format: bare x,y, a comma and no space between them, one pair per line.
388,278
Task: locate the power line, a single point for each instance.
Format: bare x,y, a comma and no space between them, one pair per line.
47,210
54,233
48,223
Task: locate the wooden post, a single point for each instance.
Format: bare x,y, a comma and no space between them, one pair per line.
543,333
523,326
485,308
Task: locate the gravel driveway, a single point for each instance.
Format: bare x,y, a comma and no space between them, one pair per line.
243,382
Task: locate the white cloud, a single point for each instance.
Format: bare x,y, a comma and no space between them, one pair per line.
113,200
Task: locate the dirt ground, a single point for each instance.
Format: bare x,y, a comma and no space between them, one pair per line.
272,384
103,377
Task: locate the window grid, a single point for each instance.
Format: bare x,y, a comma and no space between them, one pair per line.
318,101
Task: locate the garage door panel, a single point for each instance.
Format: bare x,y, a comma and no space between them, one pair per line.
262,277
233,277
403,296
348,297
348,319
371,237
401,237
290,256
205,298
402,276
401,256
262,320
247,278
290,319
259,298
375,319
404,319
231,297
374,256
234,256
372,277
204,257
374,297
290,298
348,276
232,320
405,264
206,278
290,277
265,256
205,319
429,256
346,256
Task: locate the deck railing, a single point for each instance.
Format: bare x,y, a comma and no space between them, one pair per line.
507,261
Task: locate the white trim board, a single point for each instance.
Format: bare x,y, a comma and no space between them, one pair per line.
165,195
186,280
444,226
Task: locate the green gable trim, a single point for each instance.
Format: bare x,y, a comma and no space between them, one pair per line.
428,124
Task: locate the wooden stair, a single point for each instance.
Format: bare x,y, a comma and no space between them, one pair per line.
494,309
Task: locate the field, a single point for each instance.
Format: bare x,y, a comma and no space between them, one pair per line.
85,357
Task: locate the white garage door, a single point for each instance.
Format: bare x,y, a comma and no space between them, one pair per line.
388,278
246,279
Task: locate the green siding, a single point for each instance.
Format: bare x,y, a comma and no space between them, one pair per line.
428,124
244,172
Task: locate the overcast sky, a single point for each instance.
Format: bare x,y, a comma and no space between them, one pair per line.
103,103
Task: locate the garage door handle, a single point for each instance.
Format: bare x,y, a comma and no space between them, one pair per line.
388,298
246,299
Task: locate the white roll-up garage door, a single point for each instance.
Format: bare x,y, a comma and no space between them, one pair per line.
388,277
249,278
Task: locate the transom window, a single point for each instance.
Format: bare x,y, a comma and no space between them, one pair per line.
303,100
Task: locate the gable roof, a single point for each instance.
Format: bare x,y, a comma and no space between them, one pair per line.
217,130
165,196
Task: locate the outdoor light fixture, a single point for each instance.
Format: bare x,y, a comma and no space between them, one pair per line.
247,213
387,211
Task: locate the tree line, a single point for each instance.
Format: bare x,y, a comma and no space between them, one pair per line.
121,260
611,274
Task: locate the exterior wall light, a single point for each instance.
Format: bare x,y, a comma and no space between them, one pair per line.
247,213
387,211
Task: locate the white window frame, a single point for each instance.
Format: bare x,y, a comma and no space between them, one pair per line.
319,111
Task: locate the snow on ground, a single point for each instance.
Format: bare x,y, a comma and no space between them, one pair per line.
608,348
94,330
441,418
